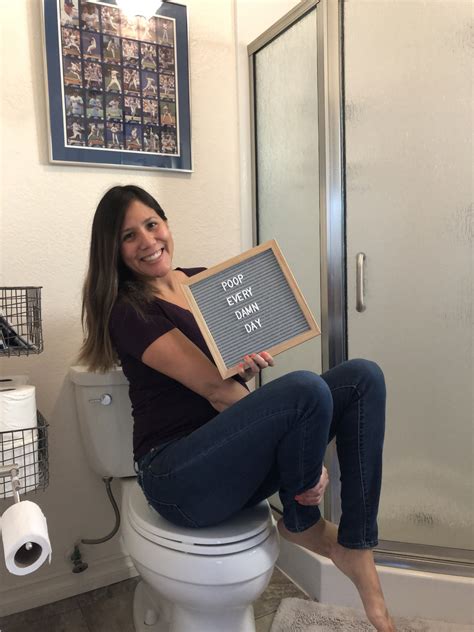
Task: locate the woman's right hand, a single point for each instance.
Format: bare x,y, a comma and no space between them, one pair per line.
253,364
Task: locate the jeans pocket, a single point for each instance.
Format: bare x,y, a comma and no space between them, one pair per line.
173,513
145,462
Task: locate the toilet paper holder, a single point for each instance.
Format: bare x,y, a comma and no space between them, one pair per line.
24,460
12,472
25,542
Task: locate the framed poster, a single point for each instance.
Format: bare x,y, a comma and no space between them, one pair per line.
248,304
118,86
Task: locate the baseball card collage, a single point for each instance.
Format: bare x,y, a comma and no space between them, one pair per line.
119,79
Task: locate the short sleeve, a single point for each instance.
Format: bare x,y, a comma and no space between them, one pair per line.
131,333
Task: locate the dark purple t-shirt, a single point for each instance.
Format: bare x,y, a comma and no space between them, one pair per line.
163,409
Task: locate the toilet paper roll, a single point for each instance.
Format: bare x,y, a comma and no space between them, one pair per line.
24,524
17,408
24,453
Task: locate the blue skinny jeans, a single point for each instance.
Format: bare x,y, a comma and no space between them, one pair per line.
274,439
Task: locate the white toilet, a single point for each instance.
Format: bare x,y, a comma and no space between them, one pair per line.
193,580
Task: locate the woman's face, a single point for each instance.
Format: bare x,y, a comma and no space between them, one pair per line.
146,243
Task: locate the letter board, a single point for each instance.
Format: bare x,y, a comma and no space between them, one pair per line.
247,304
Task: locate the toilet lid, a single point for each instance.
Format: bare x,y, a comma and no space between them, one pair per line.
247,529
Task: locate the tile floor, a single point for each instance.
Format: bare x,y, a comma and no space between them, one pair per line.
109,609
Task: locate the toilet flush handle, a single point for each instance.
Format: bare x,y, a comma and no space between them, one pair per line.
105,399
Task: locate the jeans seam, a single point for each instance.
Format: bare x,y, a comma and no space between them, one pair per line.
360,450
301,466
153,501
359,453
227,440
298,527
365,544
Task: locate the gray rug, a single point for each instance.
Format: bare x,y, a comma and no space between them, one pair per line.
299,615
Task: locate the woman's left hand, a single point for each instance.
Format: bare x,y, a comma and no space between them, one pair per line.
253,364
314,495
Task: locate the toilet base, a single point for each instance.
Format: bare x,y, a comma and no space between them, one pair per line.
151,614
148,615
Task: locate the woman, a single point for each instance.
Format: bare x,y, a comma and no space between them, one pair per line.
206,447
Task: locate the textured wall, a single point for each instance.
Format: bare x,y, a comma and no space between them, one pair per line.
46,213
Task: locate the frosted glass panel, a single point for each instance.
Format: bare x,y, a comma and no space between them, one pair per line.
408,112
287,166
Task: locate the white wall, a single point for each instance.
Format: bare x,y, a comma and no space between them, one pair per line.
46,213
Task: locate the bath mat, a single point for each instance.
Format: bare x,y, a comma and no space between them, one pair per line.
299,615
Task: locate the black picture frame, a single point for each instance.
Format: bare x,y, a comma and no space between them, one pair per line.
118,88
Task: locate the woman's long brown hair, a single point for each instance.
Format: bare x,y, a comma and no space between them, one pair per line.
108,278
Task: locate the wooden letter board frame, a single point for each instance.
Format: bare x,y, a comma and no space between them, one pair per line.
312,327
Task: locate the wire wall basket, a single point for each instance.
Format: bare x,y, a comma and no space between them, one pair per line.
28,449
20,321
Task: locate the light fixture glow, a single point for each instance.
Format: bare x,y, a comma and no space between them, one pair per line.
145,8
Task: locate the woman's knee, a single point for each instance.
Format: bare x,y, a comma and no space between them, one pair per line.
369,373
309,389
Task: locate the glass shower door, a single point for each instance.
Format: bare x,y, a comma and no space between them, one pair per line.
287,170
408,158
408,129
287,186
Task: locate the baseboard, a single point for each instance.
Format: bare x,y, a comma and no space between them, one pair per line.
408,593
100,573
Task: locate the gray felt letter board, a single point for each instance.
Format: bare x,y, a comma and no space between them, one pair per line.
248,304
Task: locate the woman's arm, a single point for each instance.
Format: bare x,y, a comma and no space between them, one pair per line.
177,357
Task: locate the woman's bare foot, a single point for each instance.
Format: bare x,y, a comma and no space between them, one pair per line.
357,564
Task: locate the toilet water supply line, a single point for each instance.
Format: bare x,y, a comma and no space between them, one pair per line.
76,557
107,480
12,472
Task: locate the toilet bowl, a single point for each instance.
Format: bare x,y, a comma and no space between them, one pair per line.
198,580
192,580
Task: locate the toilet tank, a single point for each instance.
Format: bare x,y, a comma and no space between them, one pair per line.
105,420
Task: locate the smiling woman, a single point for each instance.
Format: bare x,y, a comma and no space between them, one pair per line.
205,447
147,243
108,275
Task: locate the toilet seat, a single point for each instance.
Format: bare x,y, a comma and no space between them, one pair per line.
249,528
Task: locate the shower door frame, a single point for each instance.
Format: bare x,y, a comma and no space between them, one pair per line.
330,81
330,203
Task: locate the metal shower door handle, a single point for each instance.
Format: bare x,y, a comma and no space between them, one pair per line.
360,261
